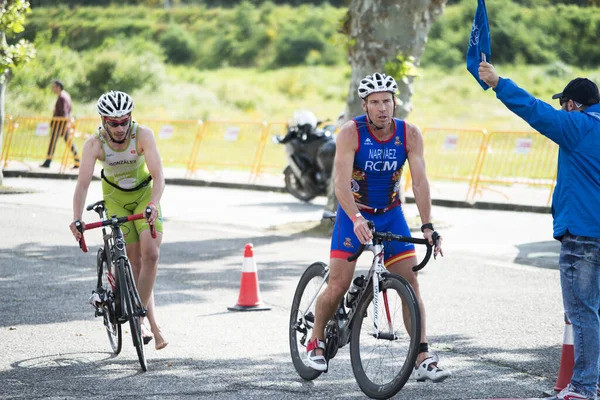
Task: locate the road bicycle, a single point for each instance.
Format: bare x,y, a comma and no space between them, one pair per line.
118,297
382,321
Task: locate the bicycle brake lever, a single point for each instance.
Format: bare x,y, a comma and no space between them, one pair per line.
435,237
82,244
147,214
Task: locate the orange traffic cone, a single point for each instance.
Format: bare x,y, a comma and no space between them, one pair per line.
249,298
567,358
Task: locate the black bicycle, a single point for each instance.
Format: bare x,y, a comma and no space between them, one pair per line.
381,321
118,297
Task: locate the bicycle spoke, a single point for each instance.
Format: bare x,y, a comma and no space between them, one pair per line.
107,283
380,357
129,293
382,364
312,283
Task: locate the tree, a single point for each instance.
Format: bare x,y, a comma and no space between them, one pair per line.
386,36
12,20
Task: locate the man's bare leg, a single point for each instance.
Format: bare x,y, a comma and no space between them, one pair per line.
146,254
340,276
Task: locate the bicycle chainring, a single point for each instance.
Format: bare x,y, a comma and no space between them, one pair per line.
332,339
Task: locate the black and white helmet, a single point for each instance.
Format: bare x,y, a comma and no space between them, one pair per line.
115,104
377,83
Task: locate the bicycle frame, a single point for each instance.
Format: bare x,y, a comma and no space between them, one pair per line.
126,301
375,275
114,247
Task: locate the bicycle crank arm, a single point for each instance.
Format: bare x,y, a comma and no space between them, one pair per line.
384,336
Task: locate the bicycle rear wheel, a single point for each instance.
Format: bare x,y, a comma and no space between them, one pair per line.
109,316
134,309
302,316
113,329
382,365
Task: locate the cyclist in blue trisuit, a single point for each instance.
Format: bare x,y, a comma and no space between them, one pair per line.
370,154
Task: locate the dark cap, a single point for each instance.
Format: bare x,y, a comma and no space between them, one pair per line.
581,90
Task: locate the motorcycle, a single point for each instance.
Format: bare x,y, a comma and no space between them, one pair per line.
310,150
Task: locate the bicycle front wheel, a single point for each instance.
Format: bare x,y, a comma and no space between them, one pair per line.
383,363
302,316
134,308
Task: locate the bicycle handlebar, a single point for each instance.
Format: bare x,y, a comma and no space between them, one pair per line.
388,236
81,227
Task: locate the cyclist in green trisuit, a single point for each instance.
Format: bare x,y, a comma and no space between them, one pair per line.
132,179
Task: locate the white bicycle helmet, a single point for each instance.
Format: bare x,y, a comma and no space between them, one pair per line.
115,104
377,83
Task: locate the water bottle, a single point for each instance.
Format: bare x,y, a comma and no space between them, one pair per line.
357,284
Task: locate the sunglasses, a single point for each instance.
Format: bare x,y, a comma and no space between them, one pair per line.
563,100
114,124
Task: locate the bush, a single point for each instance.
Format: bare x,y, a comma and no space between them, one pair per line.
178,45
559,69
120,66
438,53
29,89
293,46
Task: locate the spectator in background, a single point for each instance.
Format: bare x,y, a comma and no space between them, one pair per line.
62,109
576,130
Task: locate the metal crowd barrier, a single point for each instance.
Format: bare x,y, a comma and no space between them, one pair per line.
480,160
271,157
233,145
510,158
452,155
7,126
37,139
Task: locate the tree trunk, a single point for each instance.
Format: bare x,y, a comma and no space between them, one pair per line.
2,92
379,31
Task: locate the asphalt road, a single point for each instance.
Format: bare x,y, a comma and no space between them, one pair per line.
493,302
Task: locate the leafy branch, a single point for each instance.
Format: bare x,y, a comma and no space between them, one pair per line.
12,20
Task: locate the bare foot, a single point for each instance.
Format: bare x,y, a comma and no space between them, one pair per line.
161,342
146,336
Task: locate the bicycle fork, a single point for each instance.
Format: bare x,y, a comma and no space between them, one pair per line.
128,288
377,276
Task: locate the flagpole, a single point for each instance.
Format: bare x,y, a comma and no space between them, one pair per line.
483,57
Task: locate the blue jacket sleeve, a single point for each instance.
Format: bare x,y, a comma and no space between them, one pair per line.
562,127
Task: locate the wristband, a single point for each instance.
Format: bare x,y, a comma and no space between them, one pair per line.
428,225
353,218
152,204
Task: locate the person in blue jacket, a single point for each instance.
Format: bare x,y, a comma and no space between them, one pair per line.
575,209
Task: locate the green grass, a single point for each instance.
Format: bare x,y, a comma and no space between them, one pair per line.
442,98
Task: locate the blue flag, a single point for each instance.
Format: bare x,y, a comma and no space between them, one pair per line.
479,43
